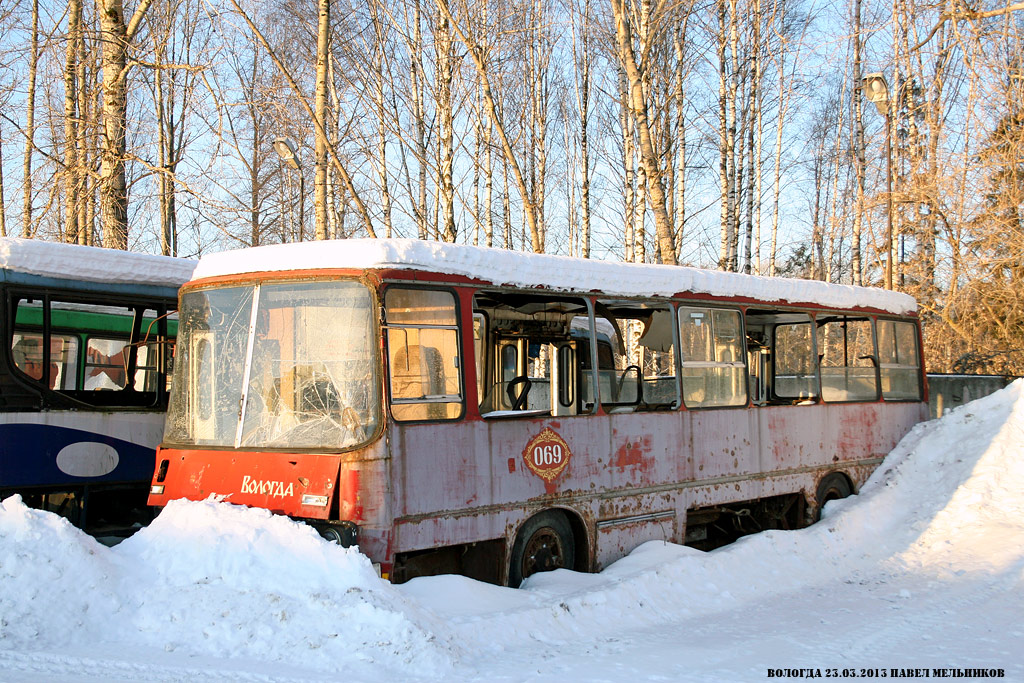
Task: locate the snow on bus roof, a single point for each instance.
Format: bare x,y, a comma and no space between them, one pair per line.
93,264
520,269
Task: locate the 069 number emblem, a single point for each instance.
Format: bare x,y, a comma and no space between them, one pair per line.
547,454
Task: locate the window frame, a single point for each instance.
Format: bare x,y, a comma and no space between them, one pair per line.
920,371
654,305
845,318
135,308
775,398
457,327
712,306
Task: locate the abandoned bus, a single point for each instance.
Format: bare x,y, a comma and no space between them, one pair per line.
459,409
83,376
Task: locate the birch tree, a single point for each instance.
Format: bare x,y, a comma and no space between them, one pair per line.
116,37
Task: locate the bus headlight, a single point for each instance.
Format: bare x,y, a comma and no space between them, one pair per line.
310,499
156,490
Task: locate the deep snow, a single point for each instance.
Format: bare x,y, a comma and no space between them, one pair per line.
923,570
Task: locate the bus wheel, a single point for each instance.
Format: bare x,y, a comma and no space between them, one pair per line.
832,487
544,543
345,534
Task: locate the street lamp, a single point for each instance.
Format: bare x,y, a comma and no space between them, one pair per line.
285,149
876,89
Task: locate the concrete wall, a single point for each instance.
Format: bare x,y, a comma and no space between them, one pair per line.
950,391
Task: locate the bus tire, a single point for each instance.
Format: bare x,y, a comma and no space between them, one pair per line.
833,486
544,543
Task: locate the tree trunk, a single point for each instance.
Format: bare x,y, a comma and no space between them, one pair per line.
753,168
323,42
723,144
30,124
86,152
629,183
856,264
115,36
419,119
72,171
446,138
648,155
735,158
3,204
382,122
680,97
583,100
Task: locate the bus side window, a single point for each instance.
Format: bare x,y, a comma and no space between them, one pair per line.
713,357
88,348
27,353
105,363
899,361
795,377
846,353
642,372
423,354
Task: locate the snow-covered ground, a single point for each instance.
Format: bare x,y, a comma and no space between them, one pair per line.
923,570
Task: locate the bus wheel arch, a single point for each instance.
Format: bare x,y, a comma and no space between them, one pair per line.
833,486
546,541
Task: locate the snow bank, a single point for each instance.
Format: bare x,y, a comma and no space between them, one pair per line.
56,583
227,583
209,579
520,269
73,261
947,501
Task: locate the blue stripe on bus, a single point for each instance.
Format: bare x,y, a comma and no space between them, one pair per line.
133,289
28,456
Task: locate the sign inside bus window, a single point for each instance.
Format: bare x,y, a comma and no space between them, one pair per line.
547,455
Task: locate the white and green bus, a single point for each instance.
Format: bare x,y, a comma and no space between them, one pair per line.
84,362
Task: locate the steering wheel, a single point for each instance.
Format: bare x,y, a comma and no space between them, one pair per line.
518,402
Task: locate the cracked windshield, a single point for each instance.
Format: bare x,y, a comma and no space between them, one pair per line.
295,357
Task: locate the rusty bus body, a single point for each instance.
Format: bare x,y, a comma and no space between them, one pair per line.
467,410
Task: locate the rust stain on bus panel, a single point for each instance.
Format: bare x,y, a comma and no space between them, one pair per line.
877,427
853,430
646,448
632,454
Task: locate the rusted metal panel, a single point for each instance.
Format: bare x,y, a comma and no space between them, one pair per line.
648,448
617,537
444,530
792,436
472,481
586,451
724,442
440,466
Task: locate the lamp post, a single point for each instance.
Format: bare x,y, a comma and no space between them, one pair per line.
285,149
876,89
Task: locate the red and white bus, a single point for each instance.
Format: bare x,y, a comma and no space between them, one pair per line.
459,409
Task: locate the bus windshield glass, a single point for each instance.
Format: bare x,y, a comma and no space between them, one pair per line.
275,365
